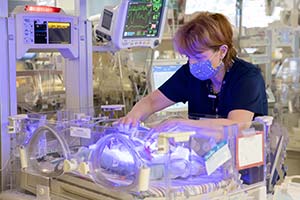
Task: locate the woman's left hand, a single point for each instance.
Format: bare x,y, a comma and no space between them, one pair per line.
168,125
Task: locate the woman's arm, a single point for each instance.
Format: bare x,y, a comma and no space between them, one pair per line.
234,117
150,104
214,126
240,116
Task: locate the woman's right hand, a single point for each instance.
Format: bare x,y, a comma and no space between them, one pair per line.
153,102
128,123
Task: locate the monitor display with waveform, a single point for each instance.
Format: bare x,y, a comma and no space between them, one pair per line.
143,18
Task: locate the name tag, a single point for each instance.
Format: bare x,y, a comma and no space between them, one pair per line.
212,96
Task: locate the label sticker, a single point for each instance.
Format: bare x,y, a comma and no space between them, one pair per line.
216,157
80,132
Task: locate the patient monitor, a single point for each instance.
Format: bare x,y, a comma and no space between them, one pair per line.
133,23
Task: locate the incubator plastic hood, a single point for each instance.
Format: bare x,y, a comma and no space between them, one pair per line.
287,84
46,151
117,158
114,162
289,71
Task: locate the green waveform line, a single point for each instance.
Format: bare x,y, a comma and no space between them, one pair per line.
139,27
138,8
133,17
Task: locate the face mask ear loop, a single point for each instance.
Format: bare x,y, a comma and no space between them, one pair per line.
221,60
220,65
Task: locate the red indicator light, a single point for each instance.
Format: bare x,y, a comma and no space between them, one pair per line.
47,9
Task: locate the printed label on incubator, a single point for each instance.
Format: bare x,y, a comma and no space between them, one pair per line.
80,132
217,157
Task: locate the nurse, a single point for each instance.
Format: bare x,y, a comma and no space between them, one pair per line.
215,82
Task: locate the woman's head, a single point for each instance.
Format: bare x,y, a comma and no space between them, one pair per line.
207,32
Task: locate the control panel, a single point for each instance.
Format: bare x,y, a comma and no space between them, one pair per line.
46,32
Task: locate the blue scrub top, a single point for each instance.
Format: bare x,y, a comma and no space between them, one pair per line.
243,88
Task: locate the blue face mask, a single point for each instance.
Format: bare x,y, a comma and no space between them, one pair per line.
204,70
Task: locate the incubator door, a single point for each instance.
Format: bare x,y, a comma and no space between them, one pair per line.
114,163
46,151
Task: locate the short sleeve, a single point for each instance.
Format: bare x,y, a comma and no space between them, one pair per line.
249,94
176,87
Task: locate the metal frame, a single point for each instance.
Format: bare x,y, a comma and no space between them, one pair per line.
4,8
5,110
79,73
72,187
7,91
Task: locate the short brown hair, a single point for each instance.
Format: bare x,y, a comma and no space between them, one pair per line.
206,31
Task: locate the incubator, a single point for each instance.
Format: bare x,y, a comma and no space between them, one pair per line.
103,162
288,84
287,93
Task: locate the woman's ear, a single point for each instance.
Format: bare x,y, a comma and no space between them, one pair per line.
223,49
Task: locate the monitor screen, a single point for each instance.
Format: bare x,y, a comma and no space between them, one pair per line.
160,74
107,19
59,32
143,18
40,32
29,56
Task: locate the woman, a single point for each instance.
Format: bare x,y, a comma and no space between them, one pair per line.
214,82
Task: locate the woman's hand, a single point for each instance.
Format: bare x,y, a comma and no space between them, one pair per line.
129,123
168,125
150,104
202,127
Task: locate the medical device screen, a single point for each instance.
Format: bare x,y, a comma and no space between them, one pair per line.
143,18
54,32
107,19
160,74
59,32
40,32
